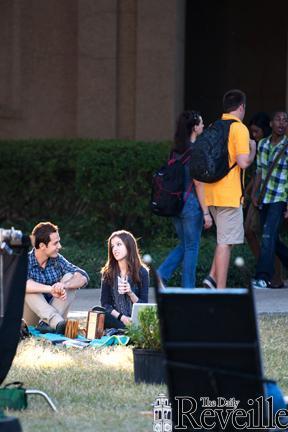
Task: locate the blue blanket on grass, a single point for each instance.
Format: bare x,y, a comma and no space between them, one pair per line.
56,339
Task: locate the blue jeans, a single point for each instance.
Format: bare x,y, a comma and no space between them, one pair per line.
188,227
271,217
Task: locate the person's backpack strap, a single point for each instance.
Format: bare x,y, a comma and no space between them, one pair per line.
187,193
271,168
184,159
228,131
235,164
186,156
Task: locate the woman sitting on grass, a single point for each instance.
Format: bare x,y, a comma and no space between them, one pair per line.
125,279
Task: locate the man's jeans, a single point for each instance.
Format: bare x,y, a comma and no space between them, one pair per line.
37,308
188,227
271,217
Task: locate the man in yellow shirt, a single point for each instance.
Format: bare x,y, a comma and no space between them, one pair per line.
224,197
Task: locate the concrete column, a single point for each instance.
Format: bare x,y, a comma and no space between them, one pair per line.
97,46
38,68
10,66
160,67
49,66
126,68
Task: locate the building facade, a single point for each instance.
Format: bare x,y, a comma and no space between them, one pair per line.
126,68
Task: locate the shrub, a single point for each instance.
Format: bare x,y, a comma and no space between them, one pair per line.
146,335
91,188
95,186
115,178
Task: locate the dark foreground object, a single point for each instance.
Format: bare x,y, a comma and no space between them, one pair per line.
149,366
9,424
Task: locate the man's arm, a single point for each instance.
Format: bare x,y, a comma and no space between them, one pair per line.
77,280
33,287
245,160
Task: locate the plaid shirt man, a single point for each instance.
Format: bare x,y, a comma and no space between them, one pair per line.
277,187
53,272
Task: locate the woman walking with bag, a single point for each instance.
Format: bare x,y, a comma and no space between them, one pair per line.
189,223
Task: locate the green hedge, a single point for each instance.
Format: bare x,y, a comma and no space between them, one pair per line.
95,186
91,188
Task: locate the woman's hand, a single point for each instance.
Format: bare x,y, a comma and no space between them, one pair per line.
125,287
208,221
126,320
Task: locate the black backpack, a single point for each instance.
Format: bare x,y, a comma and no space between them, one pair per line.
209,153
168,187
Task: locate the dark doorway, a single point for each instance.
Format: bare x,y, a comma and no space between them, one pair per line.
231,45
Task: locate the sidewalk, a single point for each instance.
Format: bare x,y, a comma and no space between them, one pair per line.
267,301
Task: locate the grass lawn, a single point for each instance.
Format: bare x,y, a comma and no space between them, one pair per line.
95,391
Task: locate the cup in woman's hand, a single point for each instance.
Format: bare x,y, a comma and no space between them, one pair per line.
121,284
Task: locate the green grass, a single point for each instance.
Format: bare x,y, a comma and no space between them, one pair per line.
274,347
95,390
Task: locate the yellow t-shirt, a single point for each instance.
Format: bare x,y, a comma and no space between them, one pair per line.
227,192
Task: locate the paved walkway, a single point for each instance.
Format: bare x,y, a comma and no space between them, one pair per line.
267,301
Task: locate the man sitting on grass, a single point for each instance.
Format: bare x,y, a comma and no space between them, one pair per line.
52,281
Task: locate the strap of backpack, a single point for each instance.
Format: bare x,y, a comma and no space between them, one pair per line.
185,157
230,121
188,191
271,168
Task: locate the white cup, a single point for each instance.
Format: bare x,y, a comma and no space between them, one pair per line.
121,283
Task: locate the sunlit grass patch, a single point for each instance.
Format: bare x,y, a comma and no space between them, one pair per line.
34,354
94,389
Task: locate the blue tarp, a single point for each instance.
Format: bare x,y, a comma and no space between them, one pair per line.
56,339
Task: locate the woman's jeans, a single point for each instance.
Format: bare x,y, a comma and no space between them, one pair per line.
188,227
271,217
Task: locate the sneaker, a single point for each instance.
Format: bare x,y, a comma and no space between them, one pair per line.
43,328
209,282
60,327
259,284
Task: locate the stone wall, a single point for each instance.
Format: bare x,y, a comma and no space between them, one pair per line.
91,68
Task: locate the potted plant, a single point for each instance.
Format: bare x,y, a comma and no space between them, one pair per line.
147,353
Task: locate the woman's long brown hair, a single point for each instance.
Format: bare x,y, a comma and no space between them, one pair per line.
134,262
